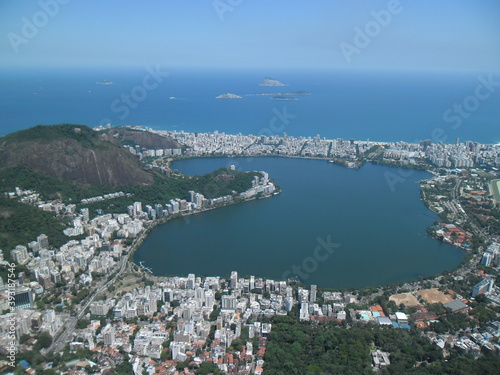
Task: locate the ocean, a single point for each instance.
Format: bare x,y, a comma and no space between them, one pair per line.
380,106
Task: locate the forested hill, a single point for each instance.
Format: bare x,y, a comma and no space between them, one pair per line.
297,348
73,152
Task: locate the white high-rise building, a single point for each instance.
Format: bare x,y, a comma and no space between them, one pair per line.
109,335
304,311
312,294
234,280
85,214
99,308
198,200
19,254
209,298
168,295
486,259
192,195
175,206
190,281
34,247
175,349
137,208
43,241
228,303
199,293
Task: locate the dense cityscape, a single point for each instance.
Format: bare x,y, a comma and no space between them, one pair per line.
89,302
457,155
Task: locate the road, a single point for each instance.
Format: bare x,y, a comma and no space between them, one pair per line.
65,337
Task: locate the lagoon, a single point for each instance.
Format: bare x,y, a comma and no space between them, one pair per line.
330,226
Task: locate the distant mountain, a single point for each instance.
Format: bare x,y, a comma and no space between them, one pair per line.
73,152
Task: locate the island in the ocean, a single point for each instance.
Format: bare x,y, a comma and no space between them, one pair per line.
267,81
228,96
282,97
296,93
104,82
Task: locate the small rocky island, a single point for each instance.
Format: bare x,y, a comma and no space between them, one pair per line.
267,81
282,97
228,96
299,93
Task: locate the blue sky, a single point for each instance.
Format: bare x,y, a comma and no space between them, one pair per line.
420,35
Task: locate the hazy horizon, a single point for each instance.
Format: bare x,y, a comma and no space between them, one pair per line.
327,35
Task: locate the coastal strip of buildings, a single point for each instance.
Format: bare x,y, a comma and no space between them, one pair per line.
457,155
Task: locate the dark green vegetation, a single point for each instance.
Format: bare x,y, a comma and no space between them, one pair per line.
307,349
472,191
47,134
217,183
21,223
59,361
482,212
296,348
49,187
208,368
73,152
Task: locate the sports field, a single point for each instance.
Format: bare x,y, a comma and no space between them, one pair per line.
495,187
406,299
434,296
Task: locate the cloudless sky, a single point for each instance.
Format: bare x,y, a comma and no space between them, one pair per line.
425,34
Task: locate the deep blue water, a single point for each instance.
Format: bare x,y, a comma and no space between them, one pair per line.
381,234
361,105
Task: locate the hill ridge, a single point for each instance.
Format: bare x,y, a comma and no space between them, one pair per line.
73,152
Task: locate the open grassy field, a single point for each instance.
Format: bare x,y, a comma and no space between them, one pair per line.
495,186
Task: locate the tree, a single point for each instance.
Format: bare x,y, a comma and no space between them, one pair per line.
24,338
124,368
181,365
208,368
44,340
83,323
